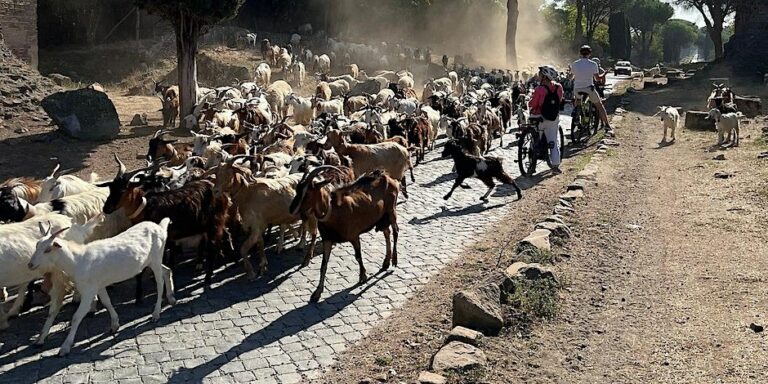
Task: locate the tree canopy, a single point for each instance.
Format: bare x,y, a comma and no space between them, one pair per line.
677,35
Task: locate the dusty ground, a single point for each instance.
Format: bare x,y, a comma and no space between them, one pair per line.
667,271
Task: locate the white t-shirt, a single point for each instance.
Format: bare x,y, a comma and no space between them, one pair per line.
584,71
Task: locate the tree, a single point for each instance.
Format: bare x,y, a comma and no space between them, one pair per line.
645,16
191,19
714,12
595,13
512,15
620,38
677,34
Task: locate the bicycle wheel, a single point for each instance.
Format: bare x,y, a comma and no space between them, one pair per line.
562,141
595,121
526,152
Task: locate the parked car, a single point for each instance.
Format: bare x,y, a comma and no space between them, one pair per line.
622,68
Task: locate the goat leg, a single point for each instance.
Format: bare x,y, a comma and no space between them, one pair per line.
388,255
139,288
359,258
327,247
456,184
245,253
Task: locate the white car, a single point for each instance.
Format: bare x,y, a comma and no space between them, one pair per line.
622,68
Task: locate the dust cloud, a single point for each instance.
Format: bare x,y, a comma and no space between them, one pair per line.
454,28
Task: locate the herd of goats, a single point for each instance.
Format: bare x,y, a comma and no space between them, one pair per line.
338,170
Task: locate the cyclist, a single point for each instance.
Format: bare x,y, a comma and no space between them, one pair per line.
545,105
600,79
585,73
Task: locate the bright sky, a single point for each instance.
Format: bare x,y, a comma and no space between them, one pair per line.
690,15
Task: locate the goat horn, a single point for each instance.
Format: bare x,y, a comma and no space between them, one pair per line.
53,173
316,171
59,232
121,170
157,133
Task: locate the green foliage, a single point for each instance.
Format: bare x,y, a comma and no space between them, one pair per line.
677,34
619,36
538,298
645,17
205,12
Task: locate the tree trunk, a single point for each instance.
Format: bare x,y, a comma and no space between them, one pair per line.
578,33
716,34
512,15
187,36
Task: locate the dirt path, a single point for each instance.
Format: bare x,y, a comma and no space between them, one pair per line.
667,270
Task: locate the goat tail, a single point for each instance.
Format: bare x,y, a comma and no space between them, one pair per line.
164,223
94,178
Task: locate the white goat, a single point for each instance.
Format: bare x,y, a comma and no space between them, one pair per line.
331,107
17,243
57,186
322,64
80,207
302,108
299,73
96,265
263,75
671,119
726,123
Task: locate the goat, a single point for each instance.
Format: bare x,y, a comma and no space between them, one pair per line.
193,209
260,202
345,213
726,123
17,244
331,107
299,73
302,108
263,75
391,157
80,207
484,168
96,265
671,119
58,185
353,70
276,94
322,64
167,150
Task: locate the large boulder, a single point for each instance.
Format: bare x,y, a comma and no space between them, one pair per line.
479,309
83,114
458,356
698,121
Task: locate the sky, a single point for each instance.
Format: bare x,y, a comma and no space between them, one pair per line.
690,15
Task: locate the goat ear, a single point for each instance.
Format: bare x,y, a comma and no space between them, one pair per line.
56,244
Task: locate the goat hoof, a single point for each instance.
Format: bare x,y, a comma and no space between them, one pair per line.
384,267
172,301
113,329
63,351
155,317
446,197
38,343
484,199
315,297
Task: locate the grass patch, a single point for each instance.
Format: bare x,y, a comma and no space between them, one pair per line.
383,361
469,376
535,255
537,298
582,161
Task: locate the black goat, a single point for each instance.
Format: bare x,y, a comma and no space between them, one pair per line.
484,168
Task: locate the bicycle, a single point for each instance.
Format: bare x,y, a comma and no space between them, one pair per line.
532,146
586,120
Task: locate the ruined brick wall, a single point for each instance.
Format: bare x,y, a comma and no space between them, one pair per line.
18,26
748,48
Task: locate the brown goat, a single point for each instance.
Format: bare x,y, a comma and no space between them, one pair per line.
343,214
168,150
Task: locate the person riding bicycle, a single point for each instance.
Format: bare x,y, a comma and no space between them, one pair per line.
600,80
545,105
585,73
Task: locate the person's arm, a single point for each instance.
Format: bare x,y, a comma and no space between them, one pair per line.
537,100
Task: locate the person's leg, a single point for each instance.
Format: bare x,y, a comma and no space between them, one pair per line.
551,131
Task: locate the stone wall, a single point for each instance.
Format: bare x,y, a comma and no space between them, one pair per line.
18,26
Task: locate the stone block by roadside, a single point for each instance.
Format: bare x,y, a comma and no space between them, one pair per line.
465,335
458,356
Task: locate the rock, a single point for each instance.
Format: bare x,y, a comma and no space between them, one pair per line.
431,378
610,143
719,157
21,130
555,219
633,227
563,211
479,309
565,203
139,120
577,184
458,356
367,380
757,328
724,175
464,335
572,195
381,377
750,106
538,239
60,79
559,230
620,111
521,270
610,134
698,120
97,87
602,147
763,155
83,114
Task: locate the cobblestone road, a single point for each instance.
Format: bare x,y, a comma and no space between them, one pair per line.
264,331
